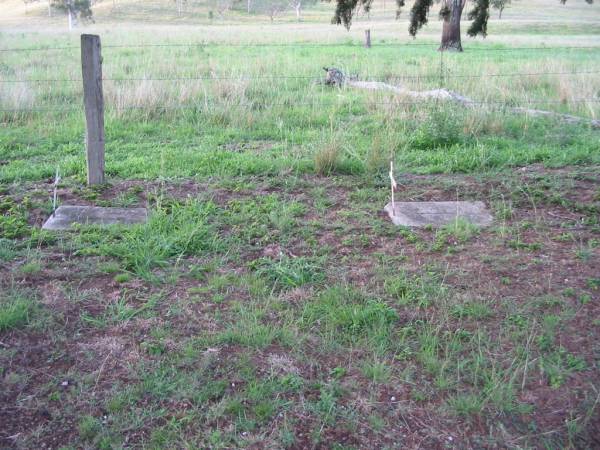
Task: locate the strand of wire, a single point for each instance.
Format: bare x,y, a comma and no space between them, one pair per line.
294,103
297,45
305,77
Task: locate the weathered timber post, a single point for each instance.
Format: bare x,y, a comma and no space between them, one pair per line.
91,69
368,38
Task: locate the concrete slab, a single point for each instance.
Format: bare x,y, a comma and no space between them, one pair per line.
437,214
66,215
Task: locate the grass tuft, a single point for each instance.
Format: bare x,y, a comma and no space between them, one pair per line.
288,272
328,157
15,310
347,312
182,229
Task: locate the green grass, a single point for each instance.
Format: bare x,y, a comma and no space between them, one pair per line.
173,232
287,272
473,310
345,314
454,233
16,308
177,153
7,249
268,302
252,311
261,126
13,220
420,290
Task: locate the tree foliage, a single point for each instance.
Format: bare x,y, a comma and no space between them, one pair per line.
345,9
479,16
419,14
81,8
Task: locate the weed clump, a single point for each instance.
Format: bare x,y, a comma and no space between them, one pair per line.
7,250
347,312
183,229
441,130
328,158
15,310
13,222
378,155
89,427
421,291
457,232
287,272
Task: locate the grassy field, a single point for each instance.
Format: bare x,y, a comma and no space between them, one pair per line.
268,302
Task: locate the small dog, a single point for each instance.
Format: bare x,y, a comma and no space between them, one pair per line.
334,77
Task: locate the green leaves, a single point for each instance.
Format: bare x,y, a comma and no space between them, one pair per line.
479,15
419,15
345,10
13,223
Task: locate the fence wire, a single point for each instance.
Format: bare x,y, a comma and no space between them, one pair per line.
304,77
375,45
292,103
443,76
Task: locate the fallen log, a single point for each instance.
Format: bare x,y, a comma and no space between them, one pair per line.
447,95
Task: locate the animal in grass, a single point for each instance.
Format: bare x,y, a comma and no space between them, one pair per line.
334,77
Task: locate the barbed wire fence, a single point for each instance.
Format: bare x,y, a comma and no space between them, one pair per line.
201,105
301,44
204,102
307,77
443,76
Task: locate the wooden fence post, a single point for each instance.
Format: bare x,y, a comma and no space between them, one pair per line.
368,38
91,69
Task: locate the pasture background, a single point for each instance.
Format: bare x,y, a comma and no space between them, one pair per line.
267,93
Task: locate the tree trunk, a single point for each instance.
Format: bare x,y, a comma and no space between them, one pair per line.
451,26
49,9
70,16
248,5
500,13
298,11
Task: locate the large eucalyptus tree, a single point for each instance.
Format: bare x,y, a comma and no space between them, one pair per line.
451,12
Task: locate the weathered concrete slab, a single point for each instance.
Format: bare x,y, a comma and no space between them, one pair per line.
65,216
437,214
